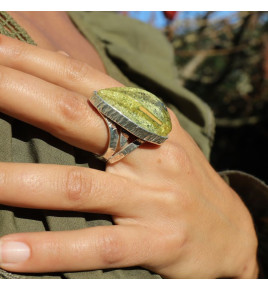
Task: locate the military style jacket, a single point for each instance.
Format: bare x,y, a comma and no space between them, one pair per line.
136,55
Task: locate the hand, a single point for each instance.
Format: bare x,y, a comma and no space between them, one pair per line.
173,214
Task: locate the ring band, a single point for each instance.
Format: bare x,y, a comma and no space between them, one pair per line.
133,116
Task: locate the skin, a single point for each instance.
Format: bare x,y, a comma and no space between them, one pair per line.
173,214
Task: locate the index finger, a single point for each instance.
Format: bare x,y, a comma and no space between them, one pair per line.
53,67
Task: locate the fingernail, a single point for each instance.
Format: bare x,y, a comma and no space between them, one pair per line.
13,252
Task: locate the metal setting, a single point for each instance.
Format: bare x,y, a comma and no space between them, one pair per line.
121,129
118,146
113,140
125,151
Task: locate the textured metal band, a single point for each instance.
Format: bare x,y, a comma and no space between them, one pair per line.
113,140
118,146
128,148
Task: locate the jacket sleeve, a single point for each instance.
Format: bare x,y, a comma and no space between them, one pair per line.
254,193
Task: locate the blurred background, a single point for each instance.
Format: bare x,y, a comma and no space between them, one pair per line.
223,58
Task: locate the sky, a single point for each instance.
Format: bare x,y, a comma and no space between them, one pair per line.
160,21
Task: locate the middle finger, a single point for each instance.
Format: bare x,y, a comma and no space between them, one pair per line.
53,67
69,188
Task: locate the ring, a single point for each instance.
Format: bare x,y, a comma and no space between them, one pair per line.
133,116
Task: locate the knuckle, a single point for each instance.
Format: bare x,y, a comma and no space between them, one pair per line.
76,186
177,157
71,107
174,199
75,70
165,202
173,241
171,198
110,247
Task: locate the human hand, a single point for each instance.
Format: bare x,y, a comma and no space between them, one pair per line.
173,214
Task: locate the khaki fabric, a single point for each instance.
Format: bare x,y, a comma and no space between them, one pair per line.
135,54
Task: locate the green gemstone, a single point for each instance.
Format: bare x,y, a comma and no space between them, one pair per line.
141,107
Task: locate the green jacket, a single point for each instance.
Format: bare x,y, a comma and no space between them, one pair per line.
138,55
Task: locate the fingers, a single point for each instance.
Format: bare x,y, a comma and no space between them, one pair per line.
87,249
53,67
66,115
77,125
69,188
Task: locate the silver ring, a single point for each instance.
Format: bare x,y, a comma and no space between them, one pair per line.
133,116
